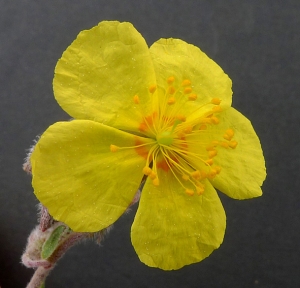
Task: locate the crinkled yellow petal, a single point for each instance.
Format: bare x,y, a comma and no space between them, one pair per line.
78,178
243,168
172,229
183,61
102,71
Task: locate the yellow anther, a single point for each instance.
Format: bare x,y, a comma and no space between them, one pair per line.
203,127
180,134
192,96
189,192
187,90
196,174
113,148
212,153
200,190
147,170
185,177
215,120
171,79
206,120
224,144
216,101
152,175
188,130
136,99
171,100
218,169
171,90
232,144
227,137
217,109
155,181
229,132
181,118
152,88
203,174
186,82
212,173
210,162
212,145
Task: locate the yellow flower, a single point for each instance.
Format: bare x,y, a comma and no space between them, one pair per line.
162,113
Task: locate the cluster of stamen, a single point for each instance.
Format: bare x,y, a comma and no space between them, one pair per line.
174,148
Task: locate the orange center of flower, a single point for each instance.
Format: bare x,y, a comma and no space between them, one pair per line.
182,142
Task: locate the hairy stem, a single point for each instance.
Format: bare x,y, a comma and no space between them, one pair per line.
39,277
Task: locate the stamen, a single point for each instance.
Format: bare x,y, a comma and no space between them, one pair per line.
224,144
170,80
212,173
232,144
180,140
228,134
186,82
171,100
212,153
217,109
113,148
216,101
189,192
218,169
212,145
192,97
196,174
155,182
182,118
171,90
136,99
152,89
200,190
152,175
147,170
187,90
215,120
185,177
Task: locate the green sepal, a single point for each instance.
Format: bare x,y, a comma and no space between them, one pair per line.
52,242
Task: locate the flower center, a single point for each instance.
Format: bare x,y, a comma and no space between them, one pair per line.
165,138
181,144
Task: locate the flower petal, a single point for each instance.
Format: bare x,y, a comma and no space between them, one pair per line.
243,168
172,229
79,180
183,61
100,73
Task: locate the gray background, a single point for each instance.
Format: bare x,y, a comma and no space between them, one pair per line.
256,42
